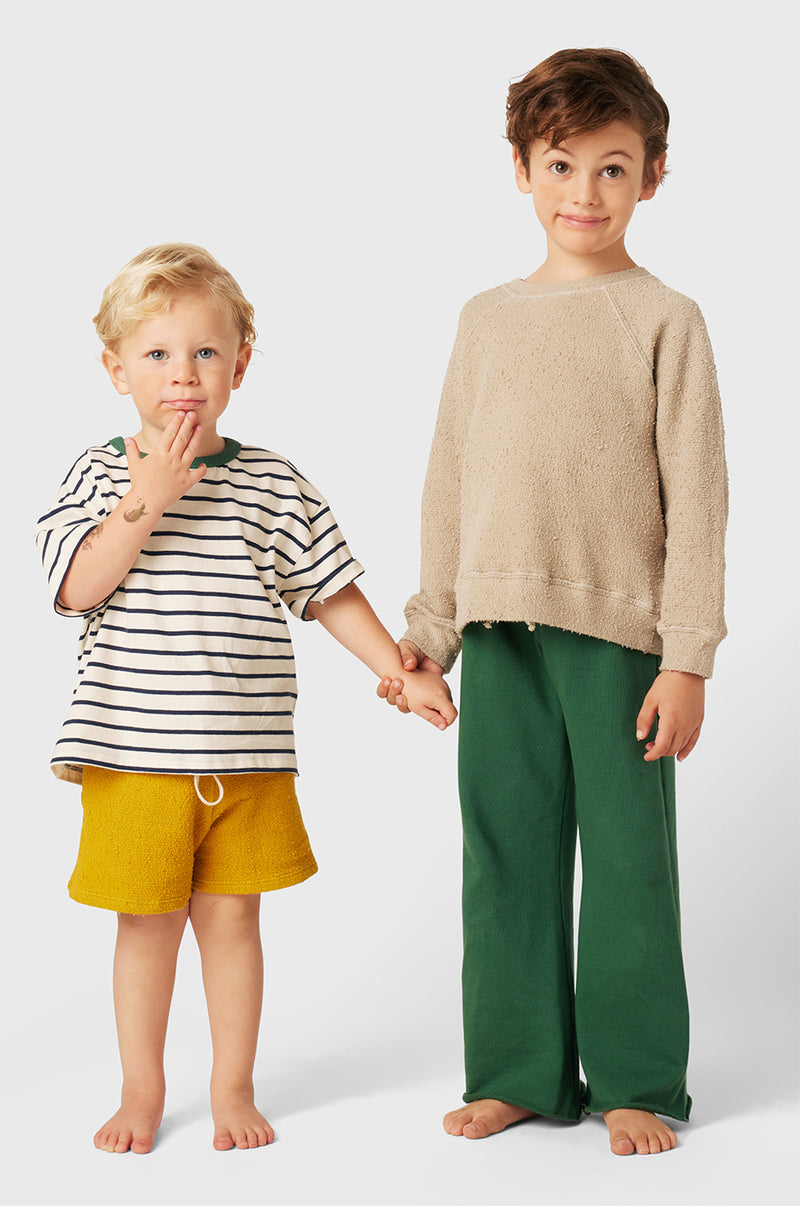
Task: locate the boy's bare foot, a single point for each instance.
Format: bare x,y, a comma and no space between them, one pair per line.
484,1117
237,1122
638,1132
133,1127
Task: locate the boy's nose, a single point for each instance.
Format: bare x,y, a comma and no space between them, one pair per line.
584,190
183,371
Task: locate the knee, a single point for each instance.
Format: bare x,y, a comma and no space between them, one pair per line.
236,916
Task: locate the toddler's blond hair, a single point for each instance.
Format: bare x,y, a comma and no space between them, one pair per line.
146,286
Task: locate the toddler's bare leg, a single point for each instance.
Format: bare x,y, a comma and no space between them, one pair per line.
484,1117
144,976
639,1132
227,931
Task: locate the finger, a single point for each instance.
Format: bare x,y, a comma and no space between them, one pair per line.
402,705
646,718
382,689
186,432
395,692
432,716
410,653
132,454
662,747
689,746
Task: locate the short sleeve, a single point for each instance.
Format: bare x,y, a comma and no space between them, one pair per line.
79,508
323,567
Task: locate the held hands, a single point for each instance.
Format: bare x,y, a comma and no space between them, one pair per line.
426,694
394,691
677,699
165,474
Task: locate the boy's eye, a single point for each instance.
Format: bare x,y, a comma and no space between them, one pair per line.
613,171
205,353
157,354
559,168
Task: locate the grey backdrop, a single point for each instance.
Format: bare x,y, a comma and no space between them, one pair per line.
346,162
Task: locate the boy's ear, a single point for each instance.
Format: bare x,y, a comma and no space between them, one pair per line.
242,361
649,190
113,366
521,172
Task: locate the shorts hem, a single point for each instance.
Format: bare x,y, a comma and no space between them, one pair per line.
140,908
271,883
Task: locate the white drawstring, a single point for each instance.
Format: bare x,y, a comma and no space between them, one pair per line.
201,797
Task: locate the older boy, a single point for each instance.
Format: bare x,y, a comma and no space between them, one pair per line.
572,535
179,547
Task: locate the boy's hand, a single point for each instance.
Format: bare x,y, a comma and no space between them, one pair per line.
412,656
426,694
166,474
677,699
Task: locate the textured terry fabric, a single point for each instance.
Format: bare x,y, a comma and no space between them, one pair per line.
545,745
188,666
577,474
148,841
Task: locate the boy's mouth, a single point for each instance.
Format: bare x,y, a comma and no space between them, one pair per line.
184,403
581,223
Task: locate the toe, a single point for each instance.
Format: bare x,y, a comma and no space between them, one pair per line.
621,1145
223,1141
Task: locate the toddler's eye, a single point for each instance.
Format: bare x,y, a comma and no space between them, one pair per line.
157,354
205,353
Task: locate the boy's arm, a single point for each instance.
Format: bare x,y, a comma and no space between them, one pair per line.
694,494
676,698
349,618
157,481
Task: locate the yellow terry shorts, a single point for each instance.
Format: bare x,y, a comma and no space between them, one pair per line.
148,841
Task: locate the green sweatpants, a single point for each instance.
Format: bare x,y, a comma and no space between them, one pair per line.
547,744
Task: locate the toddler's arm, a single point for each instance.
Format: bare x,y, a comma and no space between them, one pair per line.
677,699
157,481
349,618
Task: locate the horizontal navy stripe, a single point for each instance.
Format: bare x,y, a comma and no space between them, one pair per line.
194,632
192,769
179,693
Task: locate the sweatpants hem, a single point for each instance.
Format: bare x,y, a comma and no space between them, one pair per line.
523,1105
638,1105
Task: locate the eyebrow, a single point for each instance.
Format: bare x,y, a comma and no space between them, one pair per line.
562,150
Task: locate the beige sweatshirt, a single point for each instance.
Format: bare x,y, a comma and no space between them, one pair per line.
577,474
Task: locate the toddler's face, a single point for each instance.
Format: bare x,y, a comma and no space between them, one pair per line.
586,189
188,359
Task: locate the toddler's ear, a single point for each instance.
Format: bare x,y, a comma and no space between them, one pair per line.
113,366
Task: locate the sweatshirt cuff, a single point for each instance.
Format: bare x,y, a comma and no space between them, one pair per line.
441,644
689,650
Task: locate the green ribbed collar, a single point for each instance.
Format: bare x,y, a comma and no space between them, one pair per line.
228,453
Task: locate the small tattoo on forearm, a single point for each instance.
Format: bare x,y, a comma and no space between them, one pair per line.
90,539
135,512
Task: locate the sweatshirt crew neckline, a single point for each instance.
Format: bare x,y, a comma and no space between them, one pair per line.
226,454
524,288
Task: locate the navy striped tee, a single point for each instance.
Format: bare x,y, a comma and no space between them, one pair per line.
188,667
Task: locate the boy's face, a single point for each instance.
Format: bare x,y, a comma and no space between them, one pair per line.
585,192
189,358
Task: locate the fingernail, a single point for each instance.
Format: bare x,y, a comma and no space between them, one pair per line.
639,734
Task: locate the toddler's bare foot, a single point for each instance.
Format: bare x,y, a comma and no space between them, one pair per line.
133,1127
482,1118
237,1122
637,1131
